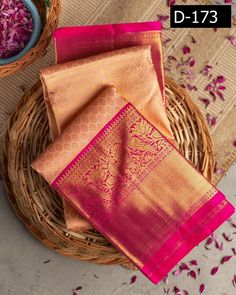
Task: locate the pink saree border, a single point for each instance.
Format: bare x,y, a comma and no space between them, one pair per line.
103,28
90,144
187,235
191,233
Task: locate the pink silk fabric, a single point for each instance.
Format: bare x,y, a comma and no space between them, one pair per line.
133,185
78,42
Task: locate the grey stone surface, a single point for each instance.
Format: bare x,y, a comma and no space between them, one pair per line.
23,271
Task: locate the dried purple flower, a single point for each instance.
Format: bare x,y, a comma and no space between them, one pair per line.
16,27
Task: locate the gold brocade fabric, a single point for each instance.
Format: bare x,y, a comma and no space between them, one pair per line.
70,87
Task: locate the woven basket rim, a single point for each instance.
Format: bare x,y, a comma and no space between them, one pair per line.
52,18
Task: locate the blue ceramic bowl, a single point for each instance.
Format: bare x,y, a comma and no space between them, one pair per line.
34,37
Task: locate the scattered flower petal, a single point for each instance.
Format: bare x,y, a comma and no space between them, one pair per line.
167,69
176,290
205,101
201,288
209,241
170,2
217,244
221,246
177,272
162,18
191,87
165,279
171,58
133,279
220,94
208,87
220,79
221,87
193,262
166,291
166,42
76,290
184,266
182,292
192,62
193,40
234,281
226,259
211,120
232,40
192,274
218,170
228,1
227,237
186,49
231,222
234,143
214,270
213,95
206,69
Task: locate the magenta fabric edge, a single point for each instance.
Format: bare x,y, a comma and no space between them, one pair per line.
121,27
190,242
91,143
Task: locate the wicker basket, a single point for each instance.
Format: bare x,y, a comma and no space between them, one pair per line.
49,19
41,209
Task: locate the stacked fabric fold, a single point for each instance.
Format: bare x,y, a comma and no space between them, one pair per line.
113,158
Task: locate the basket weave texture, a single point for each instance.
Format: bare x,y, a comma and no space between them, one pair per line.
49,19
40,208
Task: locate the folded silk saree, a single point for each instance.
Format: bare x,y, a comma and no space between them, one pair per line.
132,184
70,86
78,42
